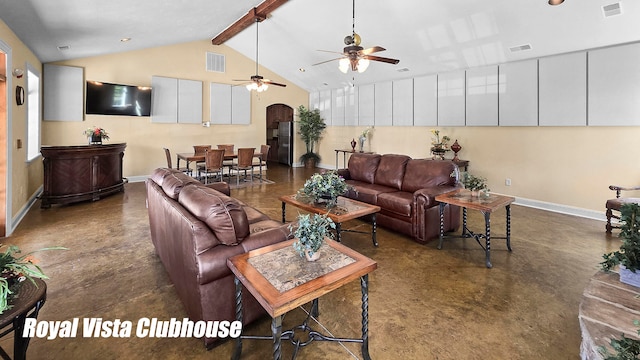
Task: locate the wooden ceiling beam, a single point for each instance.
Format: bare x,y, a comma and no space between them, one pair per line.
258,13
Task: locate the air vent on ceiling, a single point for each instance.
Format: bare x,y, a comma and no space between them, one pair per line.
403,70
612,9
520,48
215,62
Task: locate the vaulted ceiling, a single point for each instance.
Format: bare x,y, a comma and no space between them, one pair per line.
428,36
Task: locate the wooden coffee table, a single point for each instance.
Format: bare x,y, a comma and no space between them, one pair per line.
346,209
281,281
486,206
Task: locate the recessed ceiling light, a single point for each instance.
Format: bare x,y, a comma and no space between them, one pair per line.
125,39
302,69
555,2
403,70
63,47
523,47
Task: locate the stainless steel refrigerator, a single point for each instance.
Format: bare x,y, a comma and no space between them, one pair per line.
285,142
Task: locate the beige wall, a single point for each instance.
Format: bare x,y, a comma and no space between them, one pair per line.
569,166
144,139
26,178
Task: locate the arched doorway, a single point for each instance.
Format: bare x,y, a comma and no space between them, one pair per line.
280,133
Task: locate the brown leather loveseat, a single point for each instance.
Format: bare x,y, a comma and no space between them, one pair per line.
405,189
195,229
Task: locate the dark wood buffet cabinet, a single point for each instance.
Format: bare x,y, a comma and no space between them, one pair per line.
81,173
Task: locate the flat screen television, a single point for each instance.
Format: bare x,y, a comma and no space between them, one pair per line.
117,99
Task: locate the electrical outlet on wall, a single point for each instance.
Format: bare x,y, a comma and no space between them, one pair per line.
507,182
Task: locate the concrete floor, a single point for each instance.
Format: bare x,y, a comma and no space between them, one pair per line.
424,303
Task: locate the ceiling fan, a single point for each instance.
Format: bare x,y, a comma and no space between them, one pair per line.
355,56
257,82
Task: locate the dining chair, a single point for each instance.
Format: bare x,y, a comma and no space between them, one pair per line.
167,153
261,162
199,150
212,164
228,150
245,162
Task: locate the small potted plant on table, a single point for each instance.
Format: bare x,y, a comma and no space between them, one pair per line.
628,257
324,188
310,233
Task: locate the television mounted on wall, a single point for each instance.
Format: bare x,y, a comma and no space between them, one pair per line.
117,99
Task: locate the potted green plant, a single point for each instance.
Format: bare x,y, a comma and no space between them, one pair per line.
14,269
625,348
323,188
476,184
311,126
628,257
310,233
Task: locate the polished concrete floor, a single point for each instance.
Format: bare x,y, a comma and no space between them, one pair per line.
424,303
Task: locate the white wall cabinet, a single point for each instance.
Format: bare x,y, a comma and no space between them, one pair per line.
563,90
614,90
451,104
176,100
63,93
518,93
403,102
482,96
425,100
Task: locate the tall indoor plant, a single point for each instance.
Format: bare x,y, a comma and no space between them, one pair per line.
311,126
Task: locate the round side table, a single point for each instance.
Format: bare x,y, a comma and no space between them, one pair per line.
26,303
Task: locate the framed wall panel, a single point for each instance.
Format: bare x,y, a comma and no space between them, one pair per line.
240,105
63,91
351,106
325,105
337,107
383,102
563,90
482,96
164,104
403,102
425,101
366,105
451,104
614,86
220,103
189,101
518,93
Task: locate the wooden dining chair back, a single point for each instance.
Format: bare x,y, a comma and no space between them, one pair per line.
200,149
213,159
261,162
228,150
245,163
167,153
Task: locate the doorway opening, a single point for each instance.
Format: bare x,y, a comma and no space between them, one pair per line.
280,133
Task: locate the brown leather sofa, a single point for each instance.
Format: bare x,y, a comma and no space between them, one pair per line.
405,189
195,229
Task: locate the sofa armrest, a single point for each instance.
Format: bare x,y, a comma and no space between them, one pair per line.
427,196
344,173
221,186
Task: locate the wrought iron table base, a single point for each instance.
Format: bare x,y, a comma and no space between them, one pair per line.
278,335
467,233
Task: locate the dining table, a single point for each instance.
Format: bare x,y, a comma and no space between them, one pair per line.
192,157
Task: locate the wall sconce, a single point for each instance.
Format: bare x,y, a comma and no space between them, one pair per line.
18,73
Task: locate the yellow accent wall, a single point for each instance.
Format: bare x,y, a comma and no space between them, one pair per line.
144,139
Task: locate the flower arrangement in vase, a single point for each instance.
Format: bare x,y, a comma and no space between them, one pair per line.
476,184
15,268
310,233
323,188
363,137
96,134
439,146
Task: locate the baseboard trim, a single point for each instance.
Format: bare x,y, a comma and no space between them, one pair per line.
562,209
15,221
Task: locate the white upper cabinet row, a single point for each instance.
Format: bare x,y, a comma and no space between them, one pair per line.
575,89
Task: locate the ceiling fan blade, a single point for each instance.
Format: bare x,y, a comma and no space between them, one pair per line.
241,80
332,52
372,50
326,61
269,82
382,59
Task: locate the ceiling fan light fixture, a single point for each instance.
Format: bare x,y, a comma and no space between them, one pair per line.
555,2
344,64
363,64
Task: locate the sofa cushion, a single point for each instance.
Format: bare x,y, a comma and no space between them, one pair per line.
398,202
365,192
362,167
391,170
172,184
158,174
424,173
223,214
